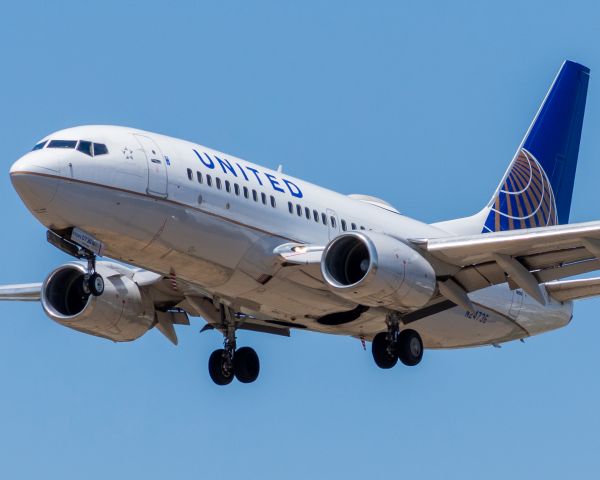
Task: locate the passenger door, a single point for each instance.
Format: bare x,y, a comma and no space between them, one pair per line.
157,167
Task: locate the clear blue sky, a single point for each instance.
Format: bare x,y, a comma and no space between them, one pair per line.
421,103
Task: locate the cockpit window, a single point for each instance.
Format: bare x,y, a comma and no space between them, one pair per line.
100,149
39,146
62,144
85,147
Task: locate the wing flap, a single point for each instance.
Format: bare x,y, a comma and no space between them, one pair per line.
524,258
567,290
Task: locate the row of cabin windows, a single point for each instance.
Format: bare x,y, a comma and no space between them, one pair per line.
237,190
314,215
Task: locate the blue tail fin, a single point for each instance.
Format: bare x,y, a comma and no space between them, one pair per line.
537,188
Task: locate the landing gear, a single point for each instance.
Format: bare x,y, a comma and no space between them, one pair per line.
384,351
220,367
93,283
246,365
82,246
395,344
227,362
410,347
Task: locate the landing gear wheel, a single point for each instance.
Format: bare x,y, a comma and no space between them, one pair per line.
246,365
220,367
383,355
95,284
410,347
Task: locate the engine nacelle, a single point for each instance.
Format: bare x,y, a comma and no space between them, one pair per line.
122,313
377,270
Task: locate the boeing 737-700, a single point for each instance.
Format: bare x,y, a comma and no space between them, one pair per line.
191,231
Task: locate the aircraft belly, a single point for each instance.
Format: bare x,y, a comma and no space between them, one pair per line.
285,298
456,328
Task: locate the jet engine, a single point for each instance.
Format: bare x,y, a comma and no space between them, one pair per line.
122,313
374,269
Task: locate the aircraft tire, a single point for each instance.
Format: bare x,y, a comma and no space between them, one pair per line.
410,347
217,368
96,284
379,348
246,365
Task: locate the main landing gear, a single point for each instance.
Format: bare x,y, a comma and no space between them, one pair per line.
395,344
229,361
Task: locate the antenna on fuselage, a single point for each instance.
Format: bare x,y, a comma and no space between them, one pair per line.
280,168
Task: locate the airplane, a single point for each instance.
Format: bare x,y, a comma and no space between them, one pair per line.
189,231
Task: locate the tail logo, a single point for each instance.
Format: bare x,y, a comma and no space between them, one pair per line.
525,199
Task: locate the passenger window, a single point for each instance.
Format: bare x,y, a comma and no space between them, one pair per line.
209,180
85,147
307,212
218,183
199,176
189,172
254,195
100,149
362,228
62,144
333,222
290,207
353,226
316,216
39,146
324,219
344,225
273,201
236,188
263,197
245,192
227,186
299,210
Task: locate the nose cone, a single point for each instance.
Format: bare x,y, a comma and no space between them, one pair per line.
35,178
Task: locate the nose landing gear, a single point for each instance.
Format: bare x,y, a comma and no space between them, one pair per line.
228,362
70,242
405,345
92,281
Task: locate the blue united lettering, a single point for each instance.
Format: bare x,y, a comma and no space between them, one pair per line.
276,184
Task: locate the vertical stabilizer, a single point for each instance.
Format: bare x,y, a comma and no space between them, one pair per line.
536,190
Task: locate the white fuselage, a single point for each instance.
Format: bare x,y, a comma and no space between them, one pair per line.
213,220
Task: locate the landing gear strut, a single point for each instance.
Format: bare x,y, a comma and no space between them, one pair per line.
227,362
92,281
395,344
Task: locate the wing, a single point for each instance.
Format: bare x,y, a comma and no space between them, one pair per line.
525,257
26,292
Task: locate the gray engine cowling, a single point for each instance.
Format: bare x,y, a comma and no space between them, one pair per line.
377,270
122,313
